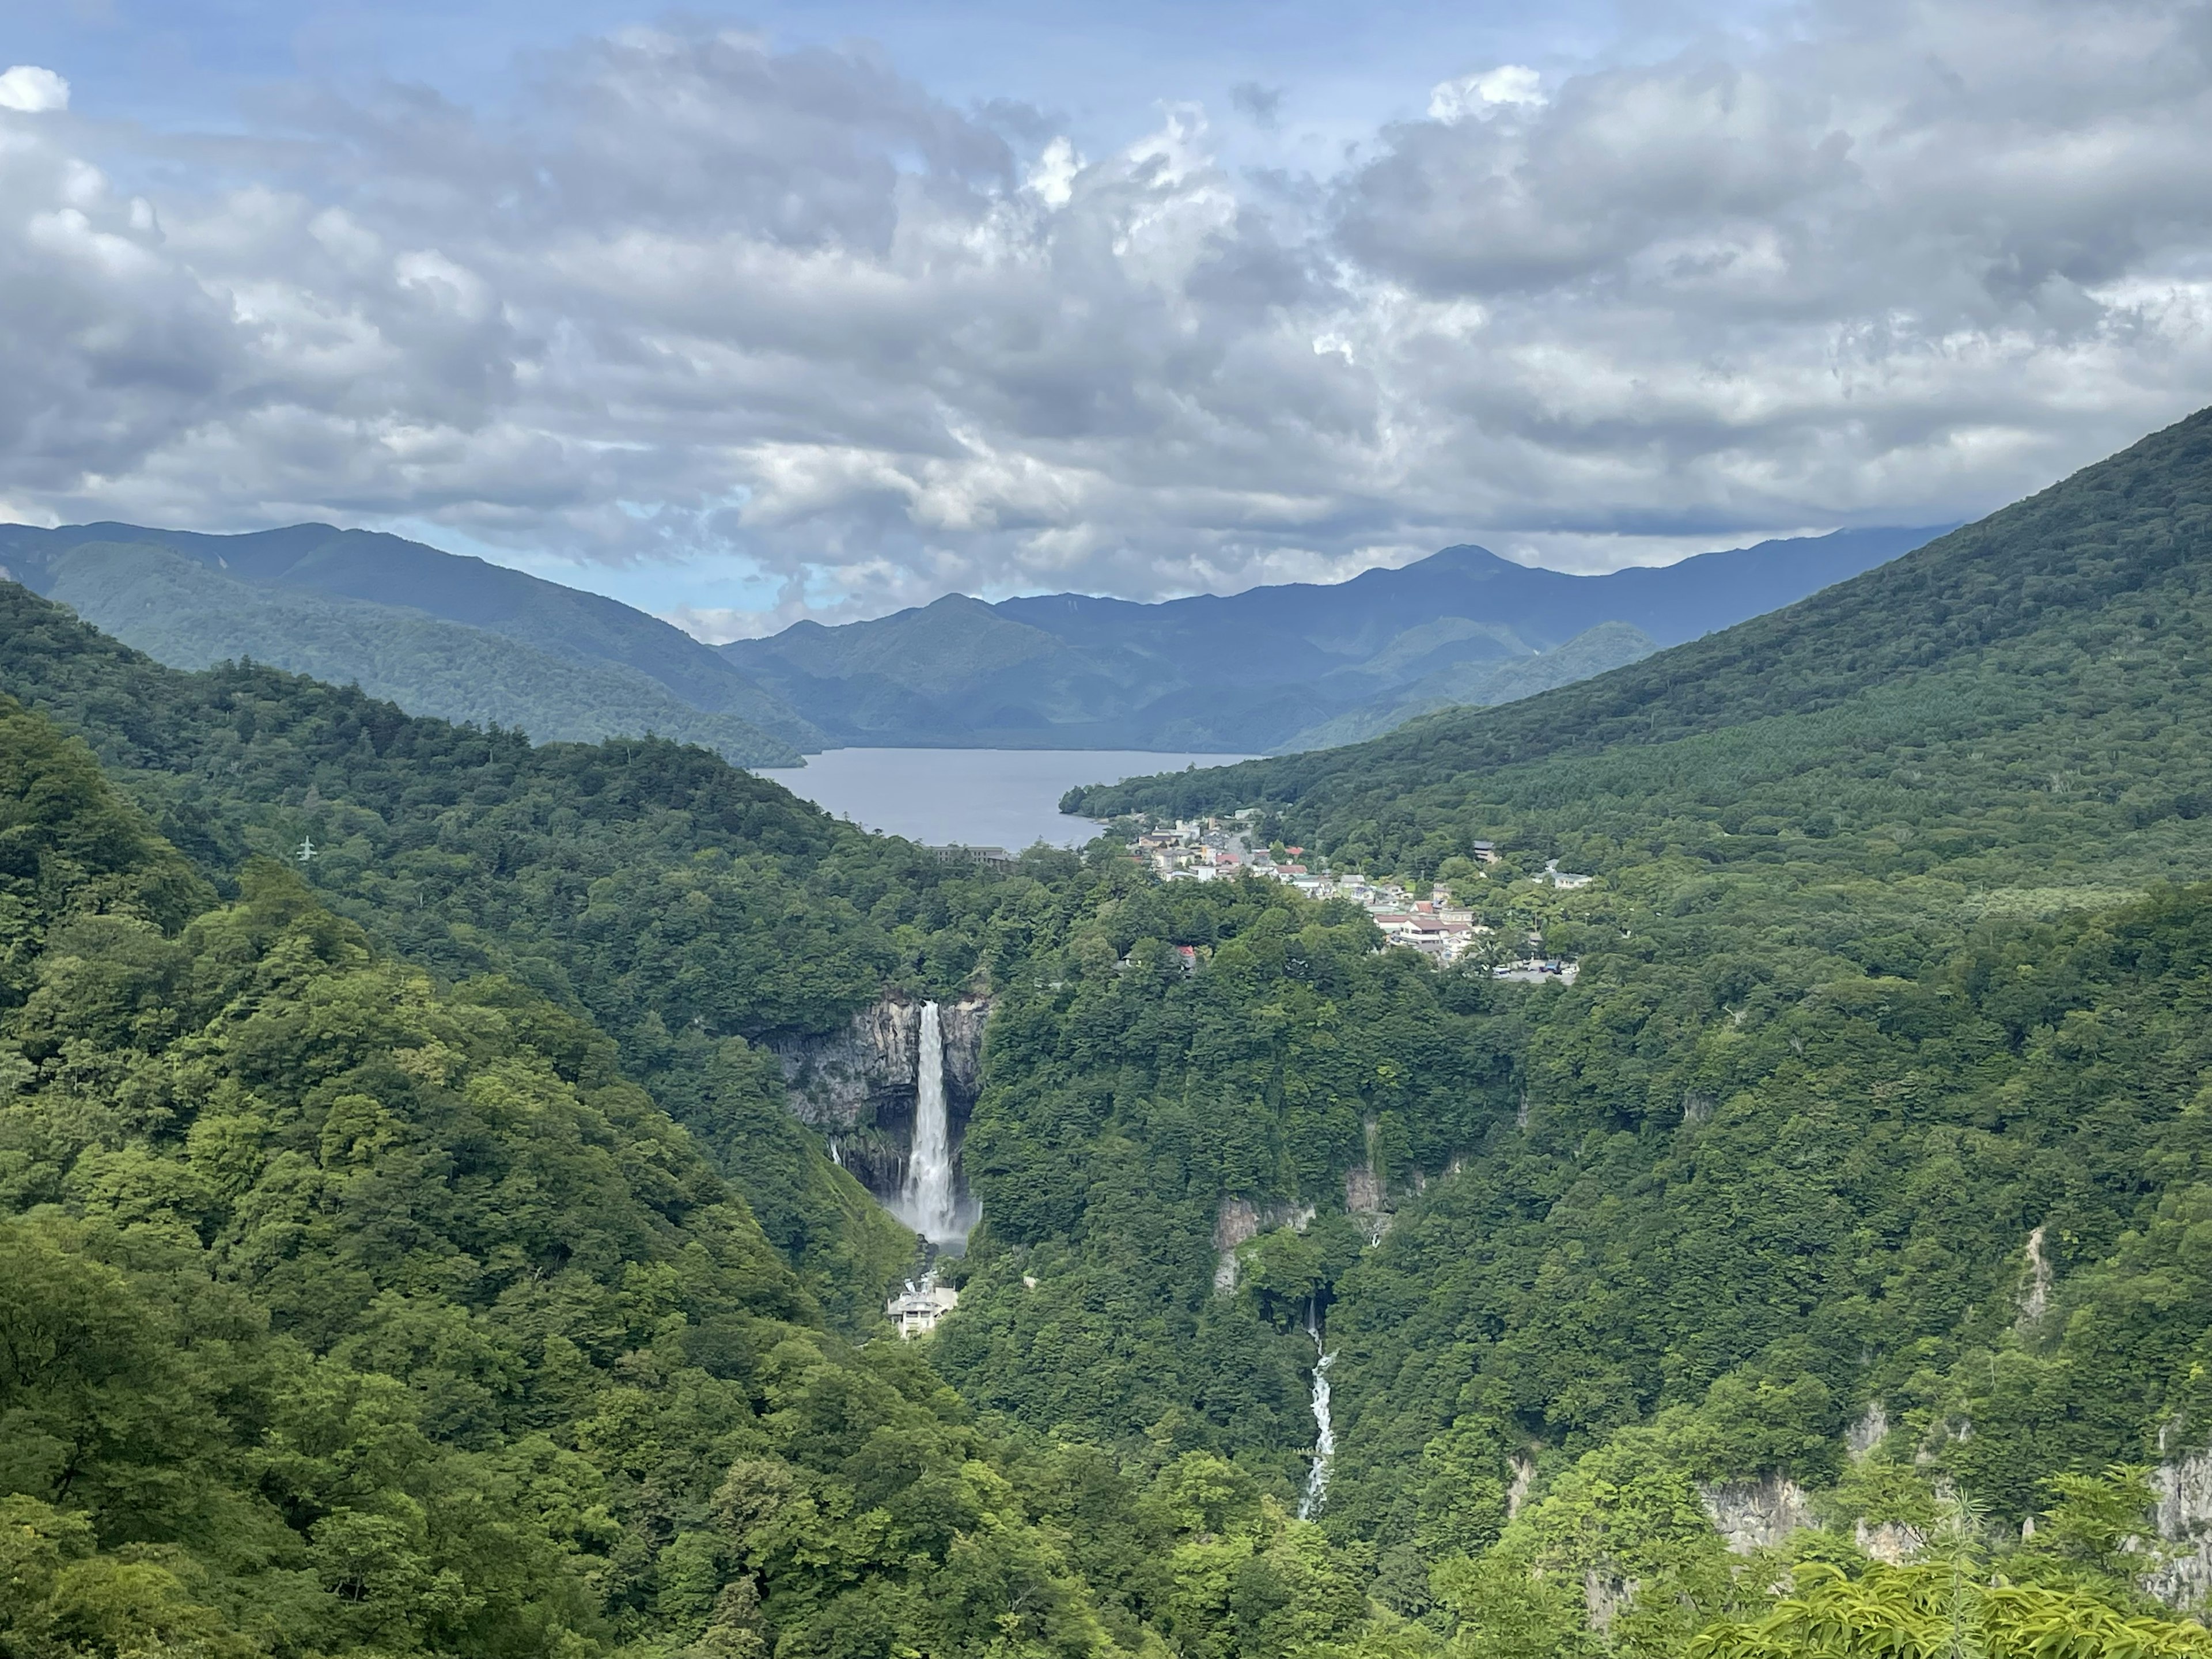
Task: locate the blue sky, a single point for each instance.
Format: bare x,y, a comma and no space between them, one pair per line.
1346,68
752,314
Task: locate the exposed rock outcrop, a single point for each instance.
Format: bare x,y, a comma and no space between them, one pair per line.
1239,1221
962,1023
1363,1192
1523,1471
2035,1296
1605,1595
1756,1514
1366,1199
1367,1202
2184,1518
832,1081
1890,1542
858,1084
1869,1432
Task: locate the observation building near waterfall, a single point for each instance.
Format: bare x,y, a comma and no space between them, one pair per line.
916,1310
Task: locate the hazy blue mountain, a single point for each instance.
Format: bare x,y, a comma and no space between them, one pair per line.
191,616
587,628
1271,668
1265,668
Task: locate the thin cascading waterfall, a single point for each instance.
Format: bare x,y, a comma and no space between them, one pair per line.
1324,1452
927,1202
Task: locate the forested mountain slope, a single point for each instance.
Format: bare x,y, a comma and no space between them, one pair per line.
386,636
189,616
1263,668
2076,603
347,1313
1863,1167
1481,684
1877,1100
685,905
689,908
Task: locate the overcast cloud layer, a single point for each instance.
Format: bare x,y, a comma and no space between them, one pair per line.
702,299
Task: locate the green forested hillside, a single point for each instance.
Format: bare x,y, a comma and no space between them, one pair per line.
418,1255
405,581
1128,1097
2004,645
687,906
1480,684
1883,975
350,1313
340,1313
188,616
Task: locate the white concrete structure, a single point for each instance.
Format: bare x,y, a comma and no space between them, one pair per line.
916,1309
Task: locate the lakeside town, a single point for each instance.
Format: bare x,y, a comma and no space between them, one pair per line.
1436,924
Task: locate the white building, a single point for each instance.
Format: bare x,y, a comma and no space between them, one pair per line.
916,1309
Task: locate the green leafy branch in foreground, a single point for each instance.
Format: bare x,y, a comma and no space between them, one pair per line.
1930,1612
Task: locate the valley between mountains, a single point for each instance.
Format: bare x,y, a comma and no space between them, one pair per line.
444,1175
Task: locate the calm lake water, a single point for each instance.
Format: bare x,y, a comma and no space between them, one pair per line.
977,797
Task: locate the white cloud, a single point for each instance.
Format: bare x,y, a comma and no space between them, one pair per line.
29,90
700,298
1053,177
1509,86
440,280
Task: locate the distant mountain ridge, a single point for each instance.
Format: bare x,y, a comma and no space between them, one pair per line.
441,633
1294,666
1276,667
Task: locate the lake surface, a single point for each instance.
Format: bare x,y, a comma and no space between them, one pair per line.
1006,798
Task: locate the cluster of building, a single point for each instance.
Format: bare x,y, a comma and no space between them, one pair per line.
1215,849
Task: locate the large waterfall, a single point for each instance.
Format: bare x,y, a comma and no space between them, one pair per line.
1325,1431
926,1202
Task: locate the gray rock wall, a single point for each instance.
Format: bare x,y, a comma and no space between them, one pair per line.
962,1023
857,1084
1891,1542
833,1081
1239,1221
2184,1488
1756,1514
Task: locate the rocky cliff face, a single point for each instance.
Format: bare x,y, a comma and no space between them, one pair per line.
1239,1221
1756,1514
857,1084
963,1024
2184,1488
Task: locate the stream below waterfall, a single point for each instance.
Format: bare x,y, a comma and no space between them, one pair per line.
1324,1452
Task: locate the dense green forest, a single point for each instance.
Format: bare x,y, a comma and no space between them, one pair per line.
410,1249
686,908
185,614
1609,645
342,1313
1885,971
390,580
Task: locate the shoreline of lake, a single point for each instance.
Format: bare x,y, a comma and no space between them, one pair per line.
1007,797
